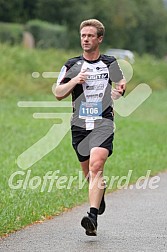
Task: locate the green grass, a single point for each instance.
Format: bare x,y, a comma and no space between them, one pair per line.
139,145
150,70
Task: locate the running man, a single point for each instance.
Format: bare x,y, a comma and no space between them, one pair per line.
88,78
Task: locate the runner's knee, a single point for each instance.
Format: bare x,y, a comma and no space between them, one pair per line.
96,166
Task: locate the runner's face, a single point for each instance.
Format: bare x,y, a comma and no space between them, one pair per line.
89,39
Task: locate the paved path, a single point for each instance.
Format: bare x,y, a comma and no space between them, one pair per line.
135,220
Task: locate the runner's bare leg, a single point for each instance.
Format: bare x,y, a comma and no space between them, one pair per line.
98,157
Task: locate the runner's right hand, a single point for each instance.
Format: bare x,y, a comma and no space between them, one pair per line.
81,77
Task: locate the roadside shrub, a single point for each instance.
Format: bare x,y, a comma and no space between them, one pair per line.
47,35
11,33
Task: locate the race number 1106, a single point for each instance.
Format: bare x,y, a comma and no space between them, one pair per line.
90,111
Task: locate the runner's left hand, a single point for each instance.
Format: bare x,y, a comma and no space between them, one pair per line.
117,92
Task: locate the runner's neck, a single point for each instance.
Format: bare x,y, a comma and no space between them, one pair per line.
91,55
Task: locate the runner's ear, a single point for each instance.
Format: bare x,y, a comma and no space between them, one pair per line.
100,39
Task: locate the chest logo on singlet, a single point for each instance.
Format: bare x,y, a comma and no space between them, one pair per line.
97,76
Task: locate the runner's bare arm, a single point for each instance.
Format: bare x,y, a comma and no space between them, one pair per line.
62,91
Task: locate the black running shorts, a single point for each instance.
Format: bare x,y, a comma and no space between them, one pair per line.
84,140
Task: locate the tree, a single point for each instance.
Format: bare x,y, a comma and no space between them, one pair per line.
138,25
10,10
151,30
17,11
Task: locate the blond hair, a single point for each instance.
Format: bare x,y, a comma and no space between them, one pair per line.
95,23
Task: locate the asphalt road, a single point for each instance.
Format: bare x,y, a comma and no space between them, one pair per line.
135,220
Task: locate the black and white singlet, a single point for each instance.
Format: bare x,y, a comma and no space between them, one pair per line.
92,99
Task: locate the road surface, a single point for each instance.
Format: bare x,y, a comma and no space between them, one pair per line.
135,221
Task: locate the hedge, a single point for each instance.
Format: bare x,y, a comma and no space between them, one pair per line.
47,35
11,33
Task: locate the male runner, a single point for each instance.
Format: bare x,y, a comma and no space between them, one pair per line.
89,79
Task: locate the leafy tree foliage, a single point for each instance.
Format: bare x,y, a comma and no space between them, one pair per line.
138,25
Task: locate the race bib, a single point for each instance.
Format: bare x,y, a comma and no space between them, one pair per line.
90,110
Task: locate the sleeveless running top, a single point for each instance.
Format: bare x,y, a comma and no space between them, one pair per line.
91,100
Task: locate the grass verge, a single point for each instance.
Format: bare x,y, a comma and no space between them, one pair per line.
139,145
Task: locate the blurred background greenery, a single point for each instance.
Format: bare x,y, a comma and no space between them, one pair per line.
138,25
140,139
